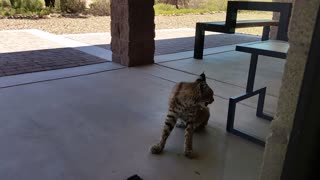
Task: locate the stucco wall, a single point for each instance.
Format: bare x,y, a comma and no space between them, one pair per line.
300,35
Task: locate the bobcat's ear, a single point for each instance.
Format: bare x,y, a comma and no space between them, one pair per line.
202,77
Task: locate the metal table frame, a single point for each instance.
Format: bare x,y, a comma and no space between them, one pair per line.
255,52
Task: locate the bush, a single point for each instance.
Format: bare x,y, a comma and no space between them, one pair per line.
5,4
217,5
75,6
176,3
196,5
24,8
166,9
44,12
57,4
100,8
6,11
29,5
9,12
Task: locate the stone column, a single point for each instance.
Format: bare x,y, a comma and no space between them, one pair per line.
300,35
132,32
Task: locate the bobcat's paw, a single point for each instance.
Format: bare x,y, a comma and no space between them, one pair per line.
156,149
189,154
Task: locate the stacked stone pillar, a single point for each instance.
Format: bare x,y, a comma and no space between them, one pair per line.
132,32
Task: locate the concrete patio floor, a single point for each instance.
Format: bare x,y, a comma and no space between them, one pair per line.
32,50
98,121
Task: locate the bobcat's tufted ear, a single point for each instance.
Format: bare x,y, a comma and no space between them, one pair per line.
202,77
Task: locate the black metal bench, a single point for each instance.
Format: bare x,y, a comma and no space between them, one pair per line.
271,48
231,22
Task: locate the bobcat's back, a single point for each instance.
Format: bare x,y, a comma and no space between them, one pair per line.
184,94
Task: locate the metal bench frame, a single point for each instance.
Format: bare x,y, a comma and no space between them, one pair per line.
231,22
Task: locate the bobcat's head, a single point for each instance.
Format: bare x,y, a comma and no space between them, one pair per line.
206,93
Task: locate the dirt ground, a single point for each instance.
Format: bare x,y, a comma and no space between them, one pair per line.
91,24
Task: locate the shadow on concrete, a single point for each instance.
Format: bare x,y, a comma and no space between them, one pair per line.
14,63
175,45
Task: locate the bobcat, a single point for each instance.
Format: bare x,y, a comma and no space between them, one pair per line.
188,102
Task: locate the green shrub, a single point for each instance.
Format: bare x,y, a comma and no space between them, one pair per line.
191,6
57,4
7,11
44,12
28,5
217,5
100,8
198,4
75,6
166,9
32,5
5,4
177,3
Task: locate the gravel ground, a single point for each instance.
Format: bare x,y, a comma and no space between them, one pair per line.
63,25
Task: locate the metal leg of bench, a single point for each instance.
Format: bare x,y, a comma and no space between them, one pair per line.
232,109
252,72
199,42
265,33
260,113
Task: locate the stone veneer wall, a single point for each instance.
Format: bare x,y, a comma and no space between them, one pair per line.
132,32
300,35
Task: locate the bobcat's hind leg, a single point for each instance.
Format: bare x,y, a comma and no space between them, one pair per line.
188,152
168,127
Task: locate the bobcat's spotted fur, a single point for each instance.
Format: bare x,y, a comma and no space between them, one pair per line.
188,102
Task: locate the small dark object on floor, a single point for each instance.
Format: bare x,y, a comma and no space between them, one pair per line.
134,177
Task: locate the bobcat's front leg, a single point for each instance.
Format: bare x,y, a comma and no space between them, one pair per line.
168,127
188,140
203,115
